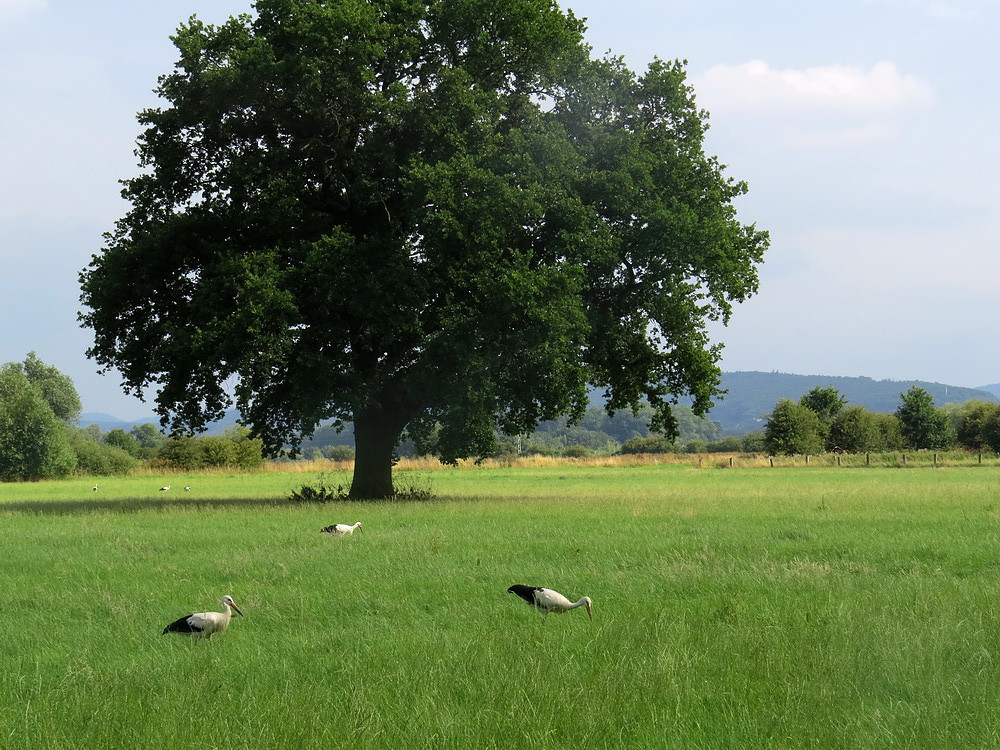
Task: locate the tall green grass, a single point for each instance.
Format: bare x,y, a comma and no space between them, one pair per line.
732,608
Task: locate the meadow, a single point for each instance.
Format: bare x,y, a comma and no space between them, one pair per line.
733,608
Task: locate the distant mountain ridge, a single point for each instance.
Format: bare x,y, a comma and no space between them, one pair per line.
750,397
107,422
994,389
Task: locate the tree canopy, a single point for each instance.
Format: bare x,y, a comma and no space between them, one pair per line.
793,428
34,442
437,216
923,425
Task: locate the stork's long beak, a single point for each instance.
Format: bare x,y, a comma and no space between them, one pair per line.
238,610
589,613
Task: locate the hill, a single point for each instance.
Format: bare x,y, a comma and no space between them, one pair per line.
107,422
752,395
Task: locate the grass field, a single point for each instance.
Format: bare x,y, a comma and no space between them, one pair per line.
744,608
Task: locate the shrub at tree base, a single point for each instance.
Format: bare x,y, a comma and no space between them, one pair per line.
326,491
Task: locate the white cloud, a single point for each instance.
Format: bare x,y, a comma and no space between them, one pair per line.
823,109
756,86
866,134
18,8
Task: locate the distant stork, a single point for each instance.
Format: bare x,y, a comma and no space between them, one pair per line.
205,624
164,488
340,529
95,488
547,600
187,489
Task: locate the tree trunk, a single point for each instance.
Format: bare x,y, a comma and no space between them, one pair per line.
376,434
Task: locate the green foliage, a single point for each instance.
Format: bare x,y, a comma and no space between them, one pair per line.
855,430
34,442
235,449
606,433
891,431
122,440
437,217
99,459
651,444
338,453
149,438
826,402
333,489
751,395
577,451
792,428
323,491
57,389
977,425
923,425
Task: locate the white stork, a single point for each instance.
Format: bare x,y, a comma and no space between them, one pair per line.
547,600
340,529
95,488
164,488
205,624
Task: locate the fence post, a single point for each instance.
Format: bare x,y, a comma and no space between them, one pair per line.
807,459
730,462
771,459
838,459
904,459
935,459
868,459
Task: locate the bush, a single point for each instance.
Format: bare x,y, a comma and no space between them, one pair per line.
976,422
726,445
577,451
99,459
319,493
339,453
124,441
325,491
235,448
793,428
855,430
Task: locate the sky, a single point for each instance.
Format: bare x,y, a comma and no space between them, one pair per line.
865,130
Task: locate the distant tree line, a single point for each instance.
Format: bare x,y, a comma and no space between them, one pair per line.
40,408
823,421
596,433
40,439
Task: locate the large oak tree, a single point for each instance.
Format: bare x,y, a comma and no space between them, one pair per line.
441,217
